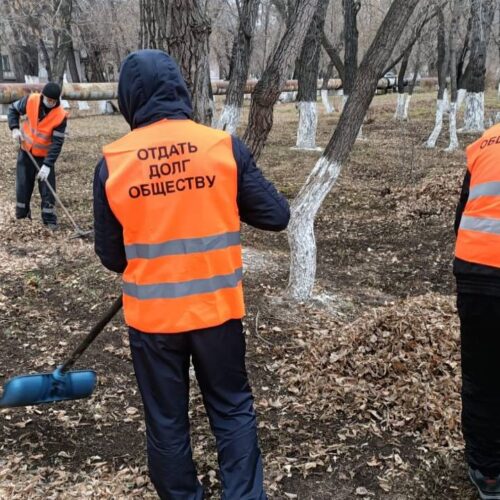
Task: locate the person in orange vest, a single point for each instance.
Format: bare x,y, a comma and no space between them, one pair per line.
42,133
168,201
477,271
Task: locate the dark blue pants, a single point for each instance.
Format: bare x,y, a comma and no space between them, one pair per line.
161,364
26,174
480,347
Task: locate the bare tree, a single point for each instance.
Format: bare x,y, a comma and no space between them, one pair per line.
307,74
461,66
327,169
482,12
442,63
455,15
412,83
268,88
401,106
240,63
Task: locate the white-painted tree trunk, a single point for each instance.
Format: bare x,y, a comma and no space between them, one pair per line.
438,124
308,123
474,112
498,91
400,107
229,118
446,107
301,228
460,98
407,107
326,102
453,128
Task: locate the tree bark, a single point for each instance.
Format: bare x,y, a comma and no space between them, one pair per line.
188,34
324,89
413,81
442,63
65,52
452,43
482,12
327,169
351,35
268,88
400,109
240,63
307,74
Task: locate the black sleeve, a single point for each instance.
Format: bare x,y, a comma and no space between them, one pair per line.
259,203
58,135
464,196
108,231
16,110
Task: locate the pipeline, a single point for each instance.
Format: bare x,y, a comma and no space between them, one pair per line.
10,92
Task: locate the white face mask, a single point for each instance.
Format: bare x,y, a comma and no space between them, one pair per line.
47,105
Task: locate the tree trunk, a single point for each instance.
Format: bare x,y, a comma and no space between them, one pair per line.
153,24
482,12
240,63
442,63
327,169
400,109
46,59
268,88
307,73
66,51
413,82
454,6
324,89
188,34
73,67
351,35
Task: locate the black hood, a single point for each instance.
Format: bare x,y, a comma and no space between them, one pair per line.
151,88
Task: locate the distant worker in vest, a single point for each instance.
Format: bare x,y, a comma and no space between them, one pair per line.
168,200
477,271
42,134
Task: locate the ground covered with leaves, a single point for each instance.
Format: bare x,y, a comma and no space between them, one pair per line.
357,391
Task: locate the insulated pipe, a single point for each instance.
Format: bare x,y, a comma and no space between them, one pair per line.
10,92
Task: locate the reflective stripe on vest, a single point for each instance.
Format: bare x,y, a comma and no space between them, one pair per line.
185,246
37,135
172,186
183,289
478,239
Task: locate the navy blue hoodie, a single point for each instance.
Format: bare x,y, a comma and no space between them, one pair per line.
150,89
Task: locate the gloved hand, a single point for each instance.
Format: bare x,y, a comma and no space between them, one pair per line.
44,173
16,135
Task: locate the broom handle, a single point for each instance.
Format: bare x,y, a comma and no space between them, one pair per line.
96,330
52,190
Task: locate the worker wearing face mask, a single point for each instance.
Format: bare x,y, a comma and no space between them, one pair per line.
42,134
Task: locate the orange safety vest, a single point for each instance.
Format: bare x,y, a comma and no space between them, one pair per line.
37,135
478,239
172,186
